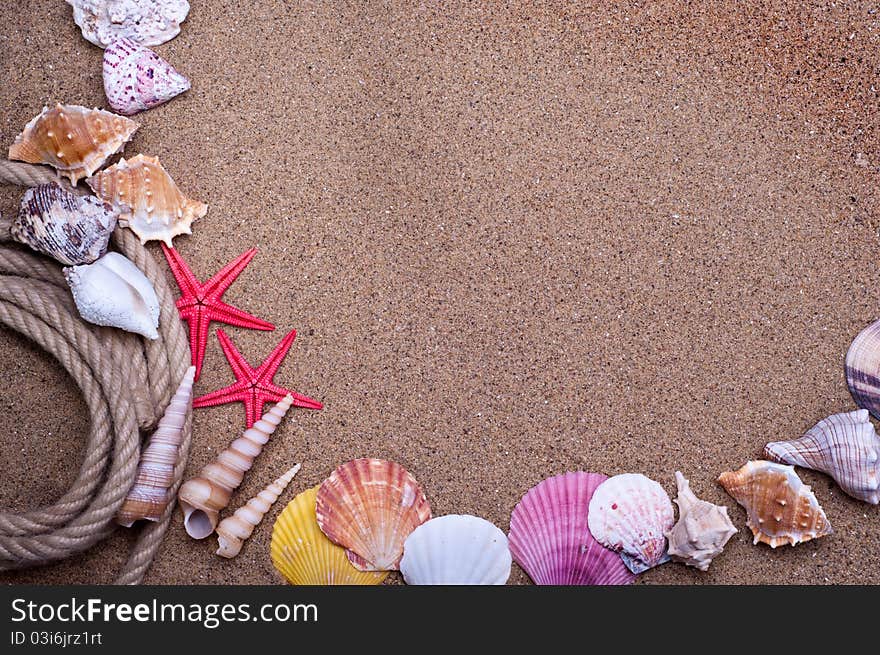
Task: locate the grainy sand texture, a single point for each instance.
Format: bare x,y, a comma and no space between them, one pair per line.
515,239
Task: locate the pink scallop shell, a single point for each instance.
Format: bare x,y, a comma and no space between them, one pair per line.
550,538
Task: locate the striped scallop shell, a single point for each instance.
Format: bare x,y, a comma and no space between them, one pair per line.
845,446
551,540
304,556
371,506
631,514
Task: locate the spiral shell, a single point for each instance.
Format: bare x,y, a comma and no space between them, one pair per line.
137,79
203,496
702,529
148,22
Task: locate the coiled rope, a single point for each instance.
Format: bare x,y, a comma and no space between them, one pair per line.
127,382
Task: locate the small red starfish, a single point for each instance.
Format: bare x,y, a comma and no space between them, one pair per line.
254,387
200,303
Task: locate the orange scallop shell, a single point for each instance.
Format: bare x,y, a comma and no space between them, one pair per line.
370,506
149,201
74,139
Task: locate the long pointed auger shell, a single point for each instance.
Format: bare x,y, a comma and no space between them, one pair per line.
305,556
781,508
702,529
149,495
114,292
148,22
69,228
845,446
371,506
863,369
631,514
202,497
234,530
75,140
148,200
137,79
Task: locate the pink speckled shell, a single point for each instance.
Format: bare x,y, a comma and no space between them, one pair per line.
550,539
136,78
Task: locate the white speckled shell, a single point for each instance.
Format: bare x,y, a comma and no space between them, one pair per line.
137,79
456,550
631,514
114,292
148,22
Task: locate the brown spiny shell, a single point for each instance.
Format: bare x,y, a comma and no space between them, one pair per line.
149,201
781,508
75,140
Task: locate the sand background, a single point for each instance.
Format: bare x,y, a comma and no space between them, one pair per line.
515,240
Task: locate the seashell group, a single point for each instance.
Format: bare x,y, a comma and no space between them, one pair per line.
702,529
137,79
456,550
75,140
149,202
149,495
550,536
631,514
114,292
148,22
234,530
202,497
371,506
69,228
845,446
305,556
863,369
781,508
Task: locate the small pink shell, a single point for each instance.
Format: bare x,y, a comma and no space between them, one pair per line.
136,78
549,537
631,514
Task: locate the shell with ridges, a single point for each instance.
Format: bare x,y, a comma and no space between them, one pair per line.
234,530
137,79
202,497
550,538
148,22
149,495
702,529
457,549
371,506
75,140
781,508
863,369
631,514
845,446
69,228
113,292
150,203
305,556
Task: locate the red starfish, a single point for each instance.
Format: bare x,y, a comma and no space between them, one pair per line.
200,302
254,387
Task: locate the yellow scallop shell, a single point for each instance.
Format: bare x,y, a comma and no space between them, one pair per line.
304,556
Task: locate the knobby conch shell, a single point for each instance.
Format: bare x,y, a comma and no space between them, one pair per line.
148,22
137,79
702,529
75,140
69,228
234,530
203,496
845,446
781,508
148,497
149,201
114,292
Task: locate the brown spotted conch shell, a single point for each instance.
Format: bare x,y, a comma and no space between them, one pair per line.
75,140
149,495
203,496
234,530
702,529
149,202
781,508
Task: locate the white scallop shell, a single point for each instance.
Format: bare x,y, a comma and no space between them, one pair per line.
457,549
631,514
114,292
148,22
